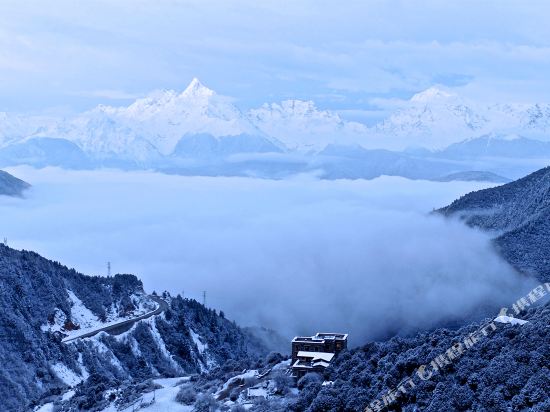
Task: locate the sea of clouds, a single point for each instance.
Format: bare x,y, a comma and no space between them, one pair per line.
297,255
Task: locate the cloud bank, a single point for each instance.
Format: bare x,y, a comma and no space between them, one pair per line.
298,255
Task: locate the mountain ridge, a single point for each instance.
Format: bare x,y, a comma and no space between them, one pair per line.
434,117
11,185
518,216
503,368
42,301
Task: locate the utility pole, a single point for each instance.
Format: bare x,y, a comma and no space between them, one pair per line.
5,241
109,269
204,297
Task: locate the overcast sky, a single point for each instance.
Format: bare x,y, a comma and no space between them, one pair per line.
70,55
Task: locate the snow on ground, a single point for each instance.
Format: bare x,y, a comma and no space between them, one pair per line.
196,338
206,362
88,322
80,314
160,342
248,374
48,407
510,320
257,392
134,345
169,382
68,395
59,319
164,399
103,349
126,338
282,365
68,376
85,373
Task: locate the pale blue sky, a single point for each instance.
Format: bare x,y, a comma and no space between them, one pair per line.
71,55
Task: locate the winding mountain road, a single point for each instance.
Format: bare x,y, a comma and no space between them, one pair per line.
125,325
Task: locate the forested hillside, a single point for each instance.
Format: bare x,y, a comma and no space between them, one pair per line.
42,301
518,215
504,371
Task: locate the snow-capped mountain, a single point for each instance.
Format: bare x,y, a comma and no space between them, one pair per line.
301,125
14,127
165,117
436,118
432,118
496,145
170,130
103,137
154,126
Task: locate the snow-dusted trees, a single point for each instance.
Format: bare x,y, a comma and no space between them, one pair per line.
507,370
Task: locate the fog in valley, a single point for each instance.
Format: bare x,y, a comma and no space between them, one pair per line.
296,255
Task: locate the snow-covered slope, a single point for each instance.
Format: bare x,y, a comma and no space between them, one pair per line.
497,145
436,118
432,117
44,151
301,125
150,129
165,117
104,137
15,127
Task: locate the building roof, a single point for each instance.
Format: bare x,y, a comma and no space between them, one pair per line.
312,339
310,365
320,337
331,335
316,356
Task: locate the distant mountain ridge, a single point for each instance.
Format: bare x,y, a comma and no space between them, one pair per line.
518,214
473,176
11,186
301,126
198,131
436,118
151,128
492,145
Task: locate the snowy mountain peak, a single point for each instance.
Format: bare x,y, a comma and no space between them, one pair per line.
196,88
432,95
299,124
299,106
292,109
155,124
